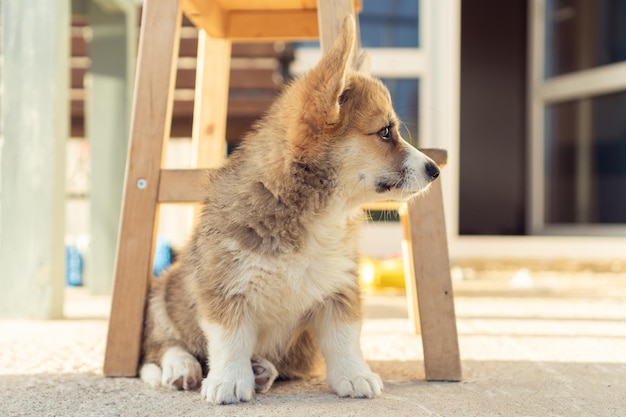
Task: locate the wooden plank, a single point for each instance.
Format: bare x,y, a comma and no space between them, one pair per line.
240,78
258,49
77,127
267,4
409,269
189,48
207,15
288,25
182,186
238,106
35,59
236,127
331,16
77,77
251,6
433,285
208,140
150,125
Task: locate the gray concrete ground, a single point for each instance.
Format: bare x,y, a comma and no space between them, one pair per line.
532,344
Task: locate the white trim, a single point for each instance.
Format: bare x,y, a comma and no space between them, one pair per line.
592,82
584,161
535,156
575,248
440,110
541,92
385,62
584,230
425,124
383,240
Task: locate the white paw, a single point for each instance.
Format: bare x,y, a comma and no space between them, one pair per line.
151,373
229,387
362,385
218,391
181,370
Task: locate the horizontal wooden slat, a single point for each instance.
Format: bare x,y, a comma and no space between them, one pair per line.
79,45
240,78
255,21
182,185
187,185
284,25
247,5
238,106
255,66
189,47
258,49
77,127
236,127
77,78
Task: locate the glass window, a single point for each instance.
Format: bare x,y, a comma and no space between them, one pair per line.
395,24
582,34
405,95
389,24
586,161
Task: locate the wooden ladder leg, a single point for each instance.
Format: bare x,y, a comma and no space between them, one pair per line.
330,16
211,101
432,285
409,269
150,128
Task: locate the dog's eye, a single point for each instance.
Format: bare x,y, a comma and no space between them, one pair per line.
385,133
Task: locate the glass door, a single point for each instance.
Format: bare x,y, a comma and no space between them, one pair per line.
578,117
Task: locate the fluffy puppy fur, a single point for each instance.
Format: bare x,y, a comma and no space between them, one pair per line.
269,278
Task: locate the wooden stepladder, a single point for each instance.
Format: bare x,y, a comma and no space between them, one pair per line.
148,184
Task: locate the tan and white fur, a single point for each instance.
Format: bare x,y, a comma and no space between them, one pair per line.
269,278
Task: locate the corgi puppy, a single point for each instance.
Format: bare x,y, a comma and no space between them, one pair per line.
268,281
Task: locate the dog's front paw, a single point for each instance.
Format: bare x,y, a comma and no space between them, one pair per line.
227,389
362,385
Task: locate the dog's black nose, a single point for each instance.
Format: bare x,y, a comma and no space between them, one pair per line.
432,170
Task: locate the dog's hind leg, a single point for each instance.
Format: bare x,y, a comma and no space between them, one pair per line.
178,370
302,359
265,374
181,370
166,356
151,374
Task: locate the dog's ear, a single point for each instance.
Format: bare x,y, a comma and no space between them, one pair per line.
327,81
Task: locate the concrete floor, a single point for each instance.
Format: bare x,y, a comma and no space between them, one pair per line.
532,344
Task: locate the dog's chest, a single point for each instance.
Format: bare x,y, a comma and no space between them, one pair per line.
293,284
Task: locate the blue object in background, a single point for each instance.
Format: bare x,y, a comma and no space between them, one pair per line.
73,267
162,256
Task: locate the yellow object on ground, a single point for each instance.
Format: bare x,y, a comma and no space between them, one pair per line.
386,273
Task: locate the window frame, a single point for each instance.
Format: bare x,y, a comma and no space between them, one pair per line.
542,91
